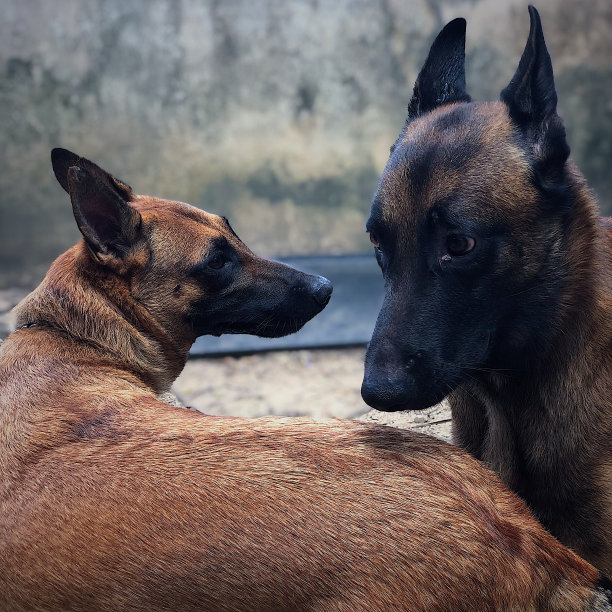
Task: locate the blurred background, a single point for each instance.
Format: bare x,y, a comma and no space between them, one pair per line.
276,113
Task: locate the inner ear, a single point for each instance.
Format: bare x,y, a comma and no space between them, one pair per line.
442,78
108,223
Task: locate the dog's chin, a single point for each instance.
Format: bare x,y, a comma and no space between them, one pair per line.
386,400
412,404
279,329
405,407
262,329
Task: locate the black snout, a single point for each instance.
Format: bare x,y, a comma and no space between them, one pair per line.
302,297
381,395
397,378
265,298
390,386
321,290
390,395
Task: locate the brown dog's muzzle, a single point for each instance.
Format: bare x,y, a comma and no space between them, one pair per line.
287,299
267,299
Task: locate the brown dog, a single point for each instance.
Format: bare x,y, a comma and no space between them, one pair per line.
112,500
499,291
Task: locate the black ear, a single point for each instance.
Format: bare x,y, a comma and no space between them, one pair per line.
532,102
108,223
62,160
442,78
531,95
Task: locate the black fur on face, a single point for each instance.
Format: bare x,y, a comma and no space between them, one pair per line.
448,315
469,226
245,294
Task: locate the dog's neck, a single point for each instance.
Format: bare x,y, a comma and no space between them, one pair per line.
528,403
73,301
582,333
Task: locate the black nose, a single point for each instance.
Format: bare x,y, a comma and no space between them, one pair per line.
380,397
322,290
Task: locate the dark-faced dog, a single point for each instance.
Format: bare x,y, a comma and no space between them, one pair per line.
498,289
113,500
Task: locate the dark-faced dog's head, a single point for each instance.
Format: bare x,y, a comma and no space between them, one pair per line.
467,225
185,267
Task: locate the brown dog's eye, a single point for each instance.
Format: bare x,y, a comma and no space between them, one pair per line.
374,240
459,244
217,261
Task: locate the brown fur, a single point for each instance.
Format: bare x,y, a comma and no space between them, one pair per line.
113,500
568,440
531,393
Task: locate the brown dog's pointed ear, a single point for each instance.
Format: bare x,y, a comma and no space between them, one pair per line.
442,78
108,223
531,99
62,160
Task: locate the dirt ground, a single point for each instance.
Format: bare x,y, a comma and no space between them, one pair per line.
316,383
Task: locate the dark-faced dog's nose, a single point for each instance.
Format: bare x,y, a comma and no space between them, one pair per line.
382,396
389,383
321,290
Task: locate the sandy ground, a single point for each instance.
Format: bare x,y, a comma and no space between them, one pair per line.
316,383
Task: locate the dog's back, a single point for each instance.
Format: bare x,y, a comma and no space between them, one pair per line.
113,500
110,499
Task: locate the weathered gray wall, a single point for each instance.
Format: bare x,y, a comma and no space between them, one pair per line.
276,113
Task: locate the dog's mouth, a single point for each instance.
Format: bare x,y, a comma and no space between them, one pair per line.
400,402
268,328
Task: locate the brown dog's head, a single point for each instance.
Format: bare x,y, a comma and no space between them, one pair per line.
184,267
469,228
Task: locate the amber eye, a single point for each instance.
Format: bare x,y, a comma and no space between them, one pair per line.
217,261
459,244
374,240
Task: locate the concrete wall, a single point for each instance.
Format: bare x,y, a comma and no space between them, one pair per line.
276,113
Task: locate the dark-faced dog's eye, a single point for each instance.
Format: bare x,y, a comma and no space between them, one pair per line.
379,257
377,250
459,244
217,261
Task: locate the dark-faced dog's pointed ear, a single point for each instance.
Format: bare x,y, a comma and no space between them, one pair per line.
531,95
442,78
532,103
